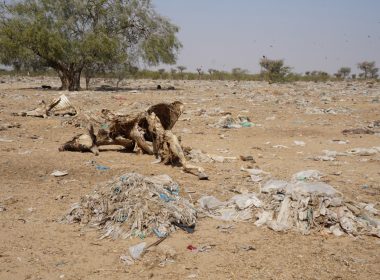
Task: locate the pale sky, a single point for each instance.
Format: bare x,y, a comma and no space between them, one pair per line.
307,34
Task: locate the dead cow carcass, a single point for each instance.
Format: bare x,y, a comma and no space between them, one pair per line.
150,131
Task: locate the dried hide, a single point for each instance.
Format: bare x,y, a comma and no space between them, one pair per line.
135,205
168,114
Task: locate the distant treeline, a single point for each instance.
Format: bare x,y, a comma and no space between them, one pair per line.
235,75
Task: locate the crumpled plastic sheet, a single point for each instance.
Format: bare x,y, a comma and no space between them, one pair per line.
134,205
303,205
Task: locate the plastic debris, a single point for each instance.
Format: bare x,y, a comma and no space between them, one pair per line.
132,205
137,250
187,228
364,151
102,167
210,202
236,209
247,124
192,248
244,201
299,143
126,259
247,247
58,173
307,175
228,121
254,171
274,185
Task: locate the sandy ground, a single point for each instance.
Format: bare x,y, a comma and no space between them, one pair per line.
35,245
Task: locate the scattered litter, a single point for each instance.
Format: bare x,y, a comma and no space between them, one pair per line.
137,250
307,175
228,121
330,111
340,142
364,151
210,202
102,167
187,228
131,205
205,248
236,209
58,173
192,248
299,143
248,158
273,185
280,147
247,247
244,201
127,260
329,156
5,140
256,179
253,171
225,228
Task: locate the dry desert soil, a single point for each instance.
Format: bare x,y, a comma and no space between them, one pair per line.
34,244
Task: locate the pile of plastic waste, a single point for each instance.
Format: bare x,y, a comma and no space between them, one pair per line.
135,205
304,204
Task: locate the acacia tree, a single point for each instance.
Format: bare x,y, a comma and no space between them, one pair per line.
181,69
122,71
343,72
161,72
238,73
274,70
369,69
73,35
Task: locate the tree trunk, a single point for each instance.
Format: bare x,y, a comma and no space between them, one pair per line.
74,81
70,79
117,83
88,78
64,80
